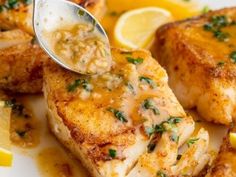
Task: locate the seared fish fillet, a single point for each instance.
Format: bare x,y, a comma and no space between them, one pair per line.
21,63
199,55
119,121
225,164
18,14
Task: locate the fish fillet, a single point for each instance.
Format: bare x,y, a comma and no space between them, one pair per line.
199,55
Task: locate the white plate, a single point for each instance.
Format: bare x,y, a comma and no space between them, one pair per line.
25,163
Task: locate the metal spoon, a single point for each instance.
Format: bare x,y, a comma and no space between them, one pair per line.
50,15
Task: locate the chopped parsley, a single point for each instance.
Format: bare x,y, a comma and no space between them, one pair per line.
174,137
27,2
148,81
220,63
179,157
131,88
215,26
21,133
221,36
168,125
81,13
220,21
79,83
118,114
16,107
161,174
233,56
148,104
135,61
151,146
11,4
112,153
1,8
192,141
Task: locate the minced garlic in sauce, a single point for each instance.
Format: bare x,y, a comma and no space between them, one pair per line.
83,48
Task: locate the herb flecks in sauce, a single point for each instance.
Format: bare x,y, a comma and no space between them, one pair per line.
174,137
216,24
135,61
112,153
24,128
148,104
161,174
169,125
118,114
221,63
192,141
79,83
148,81
152,145
131,88
81,13
13,4
233,56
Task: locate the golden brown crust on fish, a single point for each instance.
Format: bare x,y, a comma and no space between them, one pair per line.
198,61
20,15
21,68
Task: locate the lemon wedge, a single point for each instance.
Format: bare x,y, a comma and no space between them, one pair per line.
232,139
136,28
5,144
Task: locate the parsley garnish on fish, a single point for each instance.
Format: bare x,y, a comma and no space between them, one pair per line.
174,137
151,146
161,174
21,133
118,114
233,56
112,153
168,125
147,80
131,88
135,61
192,141
179,157
1,8
220,63
148,104
16,107
215,26
12,4
27,2
77,83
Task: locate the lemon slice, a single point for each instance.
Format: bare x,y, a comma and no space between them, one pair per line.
136,28
5,144
232,139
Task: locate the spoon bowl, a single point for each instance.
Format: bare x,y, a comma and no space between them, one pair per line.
51,15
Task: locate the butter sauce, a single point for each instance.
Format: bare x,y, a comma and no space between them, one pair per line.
24,129
81,47
55,162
